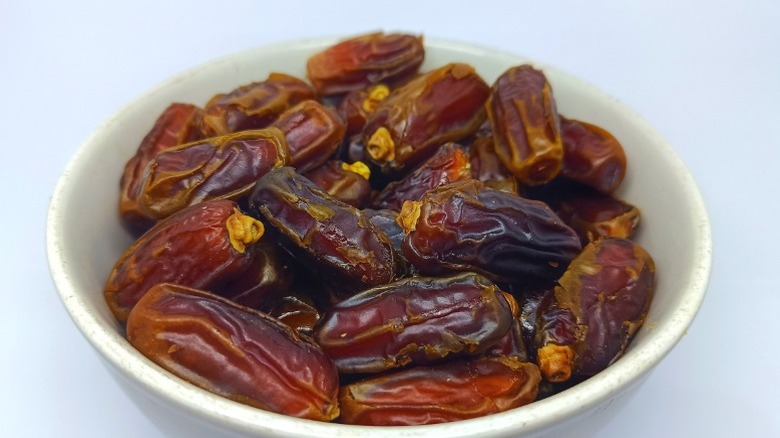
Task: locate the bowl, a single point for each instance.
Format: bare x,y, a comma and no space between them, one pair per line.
83,247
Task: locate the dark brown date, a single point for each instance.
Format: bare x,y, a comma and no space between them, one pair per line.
346,182
224,167
446,104
450,163
367,59
592,156
526,126
512,343
296,311
201,246
415,320
608,289
467,226
178,124
336,239
313,133
270,275
386,221
234,352
451,391
254,106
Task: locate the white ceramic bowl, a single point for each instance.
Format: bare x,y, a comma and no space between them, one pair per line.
83,247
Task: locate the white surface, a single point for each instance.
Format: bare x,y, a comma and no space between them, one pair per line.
704,75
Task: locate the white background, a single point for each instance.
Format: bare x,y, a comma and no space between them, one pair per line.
706,74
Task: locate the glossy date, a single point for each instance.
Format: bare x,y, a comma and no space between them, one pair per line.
415,320
466,226
452,391
234,351
201,246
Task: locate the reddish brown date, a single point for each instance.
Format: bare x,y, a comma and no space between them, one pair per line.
386,221
415,320
608,289
467,226
346,182
254,106
178,124
200,246
224,167
452,391
336,239
450,163
355,63
233,351
313,133
487,167
526,126
592,156
357,105
446,104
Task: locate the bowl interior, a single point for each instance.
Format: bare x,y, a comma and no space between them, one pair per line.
85,236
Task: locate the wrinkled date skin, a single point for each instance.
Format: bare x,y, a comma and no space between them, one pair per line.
313,133
254,106
446,104
233,351
270,275
178,124
592,156
512,343
201,246
450,163
452,391
467,226
526,125
224,167
368,59
346,182
608,288
337,239
415,320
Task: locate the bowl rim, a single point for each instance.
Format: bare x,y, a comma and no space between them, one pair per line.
143,373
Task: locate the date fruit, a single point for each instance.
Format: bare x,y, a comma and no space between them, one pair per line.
367,59
451,391
592,156
608,289
450,163
346,182
313,133
178,124
201,246
224,167
526,125
234,351
335,238
254,106
407,127
467,226
415,320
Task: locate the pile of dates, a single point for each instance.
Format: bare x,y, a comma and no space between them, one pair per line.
378,245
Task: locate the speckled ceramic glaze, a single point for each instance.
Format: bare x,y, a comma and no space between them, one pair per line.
83,247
